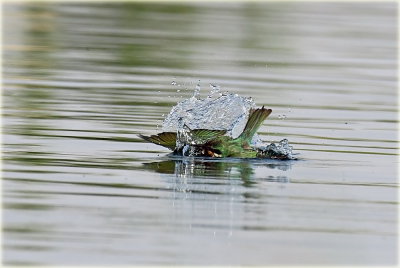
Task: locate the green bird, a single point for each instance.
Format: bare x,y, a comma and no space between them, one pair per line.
214,143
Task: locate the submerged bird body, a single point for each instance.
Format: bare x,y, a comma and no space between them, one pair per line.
213,143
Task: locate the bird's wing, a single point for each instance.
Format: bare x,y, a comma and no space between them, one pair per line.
166,139
201,136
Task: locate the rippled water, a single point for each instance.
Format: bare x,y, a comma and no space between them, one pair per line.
80,81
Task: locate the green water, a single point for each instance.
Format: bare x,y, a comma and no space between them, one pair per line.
81,80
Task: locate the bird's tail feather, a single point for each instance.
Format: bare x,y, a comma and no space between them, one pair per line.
255,120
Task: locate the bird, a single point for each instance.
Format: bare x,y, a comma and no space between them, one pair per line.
214,143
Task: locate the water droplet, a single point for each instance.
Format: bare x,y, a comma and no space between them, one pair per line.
173,83
282,116
214,89
178,90
197,90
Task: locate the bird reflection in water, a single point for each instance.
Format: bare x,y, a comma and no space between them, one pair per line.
244,169
214,196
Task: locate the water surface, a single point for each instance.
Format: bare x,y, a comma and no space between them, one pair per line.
81,80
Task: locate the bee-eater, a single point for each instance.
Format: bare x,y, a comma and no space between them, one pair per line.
214,143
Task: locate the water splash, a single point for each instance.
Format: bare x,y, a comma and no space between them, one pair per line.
197,91
214,89
227,111
282,150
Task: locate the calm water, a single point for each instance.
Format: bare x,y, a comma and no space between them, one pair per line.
80,81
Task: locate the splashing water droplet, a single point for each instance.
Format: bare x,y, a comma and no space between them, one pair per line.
185,150
173,83
197,90
214,89
283,117
282,150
